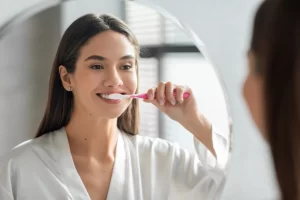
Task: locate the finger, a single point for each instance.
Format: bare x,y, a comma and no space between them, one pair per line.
188,90
179,94
169,93
160,93
150,93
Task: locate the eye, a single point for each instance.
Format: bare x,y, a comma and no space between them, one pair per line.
126,67
96,67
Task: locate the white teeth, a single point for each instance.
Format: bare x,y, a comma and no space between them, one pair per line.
114,96
104,96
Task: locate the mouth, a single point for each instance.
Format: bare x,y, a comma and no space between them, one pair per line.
105,95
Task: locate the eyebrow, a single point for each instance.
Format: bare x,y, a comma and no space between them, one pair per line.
101,58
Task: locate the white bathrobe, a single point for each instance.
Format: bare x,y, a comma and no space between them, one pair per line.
144,169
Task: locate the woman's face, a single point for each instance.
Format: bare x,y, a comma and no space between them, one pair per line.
106,64
253,94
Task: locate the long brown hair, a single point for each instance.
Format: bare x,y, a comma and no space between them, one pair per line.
60,101
276,46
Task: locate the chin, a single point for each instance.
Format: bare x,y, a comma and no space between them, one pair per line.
112,114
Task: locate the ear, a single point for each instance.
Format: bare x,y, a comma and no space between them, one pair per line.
65,77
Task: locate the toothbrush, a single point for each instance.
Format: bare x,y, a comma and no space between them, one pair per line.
140,96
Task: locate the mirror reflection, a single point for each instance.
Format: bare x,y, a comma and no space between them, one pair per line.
92,138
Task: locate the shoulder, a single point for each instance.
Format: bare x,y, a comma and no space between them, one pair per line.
24,152
17,152
11,162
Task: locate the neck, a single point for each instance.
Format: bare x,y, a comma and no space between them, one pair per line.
92,137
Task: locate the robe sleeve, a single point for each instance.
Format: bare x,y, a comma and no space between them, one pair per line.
200,175
5,182
4,194
221,146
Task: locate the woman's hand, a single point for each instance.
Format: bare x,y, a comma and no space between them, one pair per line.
184,111
176,107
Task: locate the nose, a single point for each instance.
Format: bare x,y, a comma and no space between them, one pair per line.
112,78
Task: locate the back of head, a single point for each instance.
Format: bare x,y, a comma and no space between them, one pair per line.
276,46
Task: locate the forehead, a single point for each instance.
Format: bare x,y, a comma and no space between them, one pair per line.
109,44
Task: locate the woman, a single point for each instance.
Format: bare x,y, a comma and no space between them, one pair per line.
87,146
272,87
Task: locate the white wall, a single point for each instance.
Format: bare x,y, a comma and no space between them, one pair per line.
26,55
225,27
73,9
10,8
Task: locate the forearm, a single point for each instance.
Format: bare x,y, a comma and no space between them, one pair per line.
201,128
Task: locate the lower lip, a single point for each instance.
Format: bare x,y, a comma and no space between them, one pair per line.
110,101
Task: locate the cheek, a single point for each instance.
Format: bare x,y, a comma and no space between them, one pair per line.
85,83
253,95
246,90
85,79
130,82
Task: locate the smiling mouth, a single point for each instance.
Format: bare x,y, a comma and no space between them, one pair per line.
104,96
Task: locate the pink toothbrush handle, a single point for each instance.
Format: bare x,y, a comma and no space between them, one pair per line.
145,96
141,96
